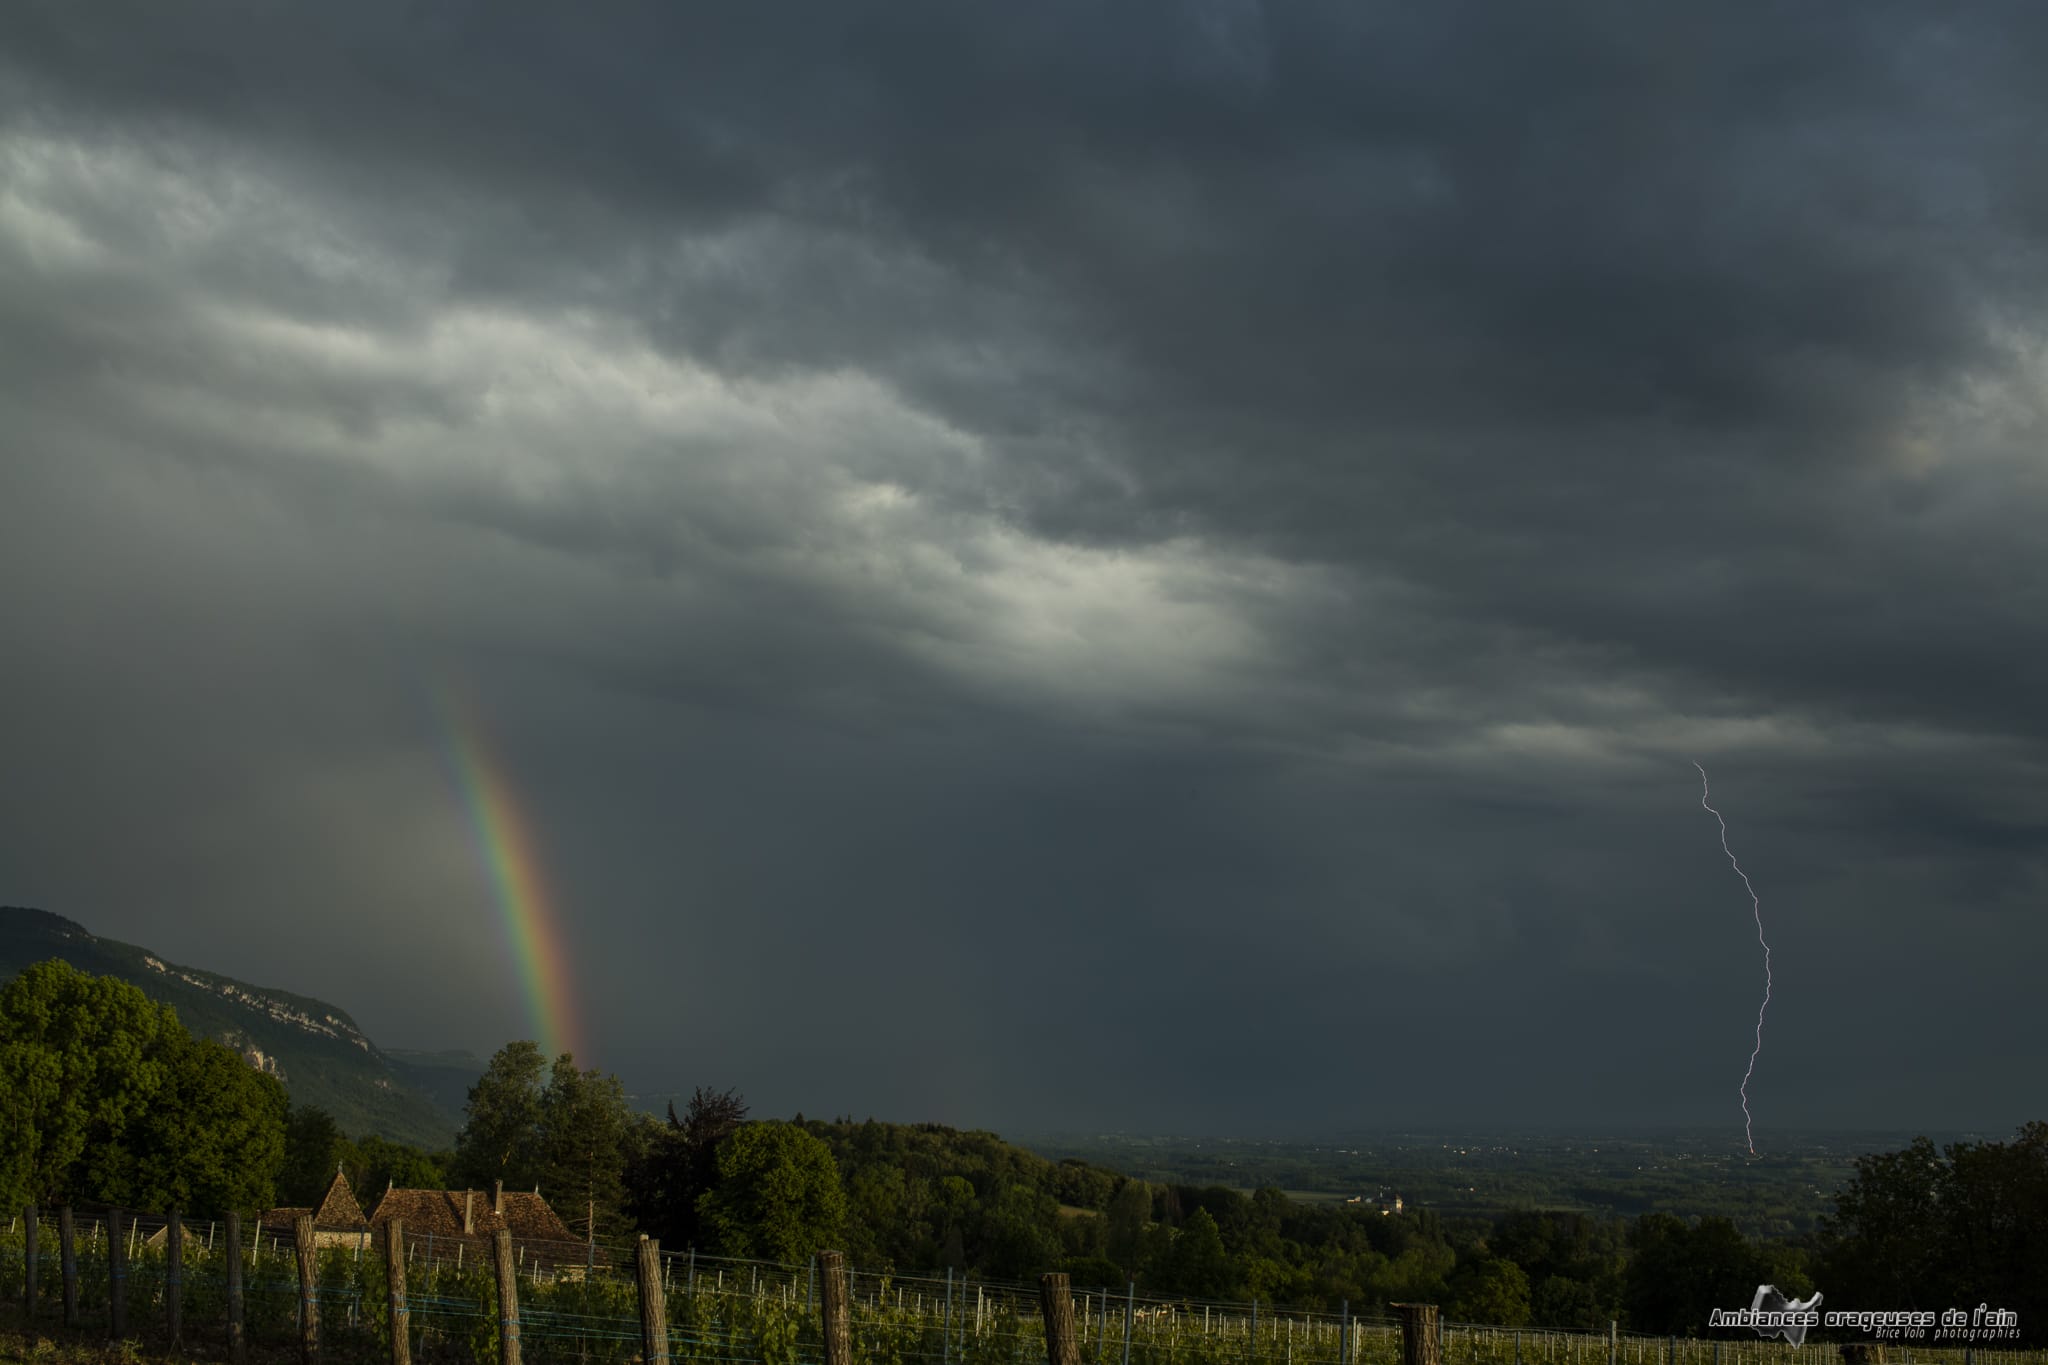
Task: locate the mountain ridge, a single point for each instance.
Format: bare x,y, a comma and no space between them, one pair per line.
316,1048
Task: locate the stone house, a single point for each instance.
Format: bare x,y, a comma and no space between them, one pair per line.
338,1221
437,1222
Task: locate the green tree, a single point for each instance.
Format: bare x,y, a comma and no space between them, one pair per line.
1263,1223
1270,1279
1084,1186
81,1059
384,1164
673,1166
1995,1223
583,1129
104,1095
1020,1232
1491,1291
881,1200
1922,1228
1130,1209
1083,1234
957,1208
778,1194
1416,1275
314,1149
1677,1275
501,1134
1195,1262
215,1138
1565,1304
1529,1239
1096,1272
573,1138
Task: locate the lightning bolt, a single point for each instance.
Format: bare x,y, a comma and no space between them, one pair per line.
1748,1132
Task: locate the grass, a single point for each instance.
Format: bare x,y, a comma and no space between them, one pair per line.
47,1342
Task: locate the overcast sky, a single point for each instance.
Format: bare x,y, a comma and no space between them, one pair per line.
1158,566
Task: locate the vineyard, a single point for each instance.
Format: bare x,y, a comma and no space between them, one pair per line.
582,1303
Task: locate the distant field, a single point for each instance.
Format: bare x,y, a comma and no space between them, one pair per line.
1786,1190
1313,1196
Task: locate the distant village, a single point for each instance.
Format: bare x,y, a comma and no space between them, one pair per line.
1385,1203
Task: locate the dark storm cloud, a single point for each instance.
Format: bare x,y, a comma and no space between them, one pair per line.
1215,530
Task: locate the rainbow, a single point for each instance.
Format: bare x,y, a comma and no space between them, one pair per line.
510,855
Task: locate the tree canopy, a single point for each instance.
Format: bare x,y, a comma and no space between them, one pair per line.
1928,1228
105,1096
675,1164
500,1137
572,1137
778,1194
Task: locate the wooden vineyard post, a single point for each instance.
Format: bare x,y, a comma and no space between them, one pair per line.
29,1223
309,1303
838,1324
237,1348
174,1275
506,1263
394,1283
653,1302
1056,1302
67,1254
1421,1342
117,1277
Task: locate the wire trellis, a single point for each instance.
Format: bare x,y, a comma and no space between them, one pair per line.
579,1302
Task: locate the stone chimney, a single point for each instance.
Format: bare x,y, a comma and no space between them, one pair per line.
468,1211
498,1199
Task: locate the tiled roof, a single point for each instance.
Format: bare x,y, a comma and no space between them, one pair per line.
339,1209
529,1216
283,1217
439,1212
191,1233
424,1211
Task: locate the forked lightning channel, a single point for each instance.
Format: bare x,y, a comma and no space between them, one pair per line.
1748,1131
